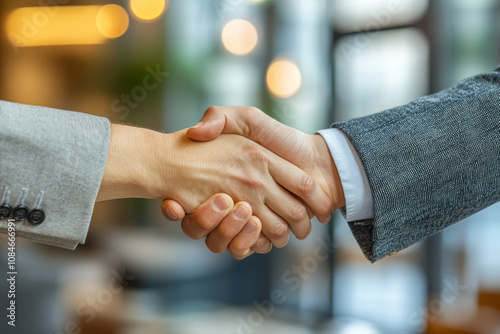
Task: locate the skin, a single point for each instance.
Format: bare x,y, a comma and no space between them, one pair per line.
146,164
308,152
232,232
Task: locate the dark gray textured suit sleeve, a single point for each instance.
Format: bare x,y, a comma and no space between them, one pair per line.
58,153
430,163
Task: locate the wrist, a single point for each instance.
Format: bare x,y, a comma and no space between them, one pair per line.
331,178
131,166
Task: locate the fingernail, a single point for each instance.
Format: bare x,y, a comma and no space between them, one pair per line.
170,214
197,125
246,252
220,204
241,213
249,228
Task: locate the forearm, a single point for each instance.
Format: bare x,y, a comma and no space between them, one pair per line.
132,164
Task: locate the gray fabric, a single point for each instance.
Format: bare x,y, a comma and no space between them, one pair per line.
430,163
60,152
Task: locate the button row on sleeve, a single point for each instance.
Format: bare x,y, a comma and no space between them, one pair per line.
22,212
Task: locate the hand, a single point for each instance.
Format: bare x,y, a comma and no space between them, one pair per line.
146,164
245,171
308,152
233,232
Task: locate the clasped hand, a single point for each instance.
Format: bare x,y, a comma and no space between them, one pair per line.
279,178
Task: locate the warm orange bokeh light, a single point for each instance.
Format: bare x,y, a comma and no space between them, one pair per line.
148,9
239,37
283,78
112,21
65,25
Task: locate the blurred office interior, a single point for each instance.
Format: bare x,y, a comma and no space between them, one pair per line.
307,63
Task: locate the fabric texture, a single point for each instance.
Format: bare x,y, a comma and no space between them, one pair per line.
357,192
60,153
430,163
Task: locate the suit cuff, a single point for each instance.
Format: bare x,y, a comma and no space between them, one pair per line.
357,191
58,153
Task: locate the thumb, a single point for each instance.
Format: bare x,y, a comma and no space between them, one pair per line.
172,210
210,126
251,123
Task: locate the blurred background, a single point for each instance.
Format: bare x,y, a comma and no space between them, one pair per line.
160,64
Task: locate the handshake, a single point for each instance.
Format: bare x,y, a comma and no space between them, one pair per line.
238,178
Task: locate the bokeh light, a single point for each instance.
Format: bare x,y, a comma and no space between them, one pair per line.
112,21
283,78
239,37
148,9
69,25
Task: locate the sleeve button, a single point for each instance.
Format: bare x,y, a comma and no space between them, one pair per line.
21,212
5,211
36,217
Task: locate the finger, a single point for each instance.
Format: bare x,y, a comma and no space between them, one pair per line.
283,140
310,213
172,210
205,218
263,245
291,210
284,204
218,240
236,120
249,122
237,257
273,226
302,185
240,246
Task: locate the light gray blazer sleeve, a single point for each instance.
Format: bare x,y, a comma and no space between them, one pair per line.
58,153
430,163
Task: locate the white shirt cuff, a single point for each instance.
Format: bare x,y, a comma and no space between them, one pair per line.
357,191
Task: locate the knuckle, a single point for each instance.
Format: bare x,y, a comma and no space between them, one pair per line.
255,153
252,110
307,184
255,112
298,212
253,180
279,231
196,227
213,247
326,208
262,245
326,212
225,233
203,223
211,110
